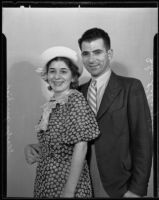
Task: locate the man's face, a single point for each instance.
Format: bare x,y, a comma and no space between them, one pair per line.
95,57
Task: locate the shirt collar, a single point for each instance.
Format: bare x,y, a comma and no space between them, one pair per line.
103,79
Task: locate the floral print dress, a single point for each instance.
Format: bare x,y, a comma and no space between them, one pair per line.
68,122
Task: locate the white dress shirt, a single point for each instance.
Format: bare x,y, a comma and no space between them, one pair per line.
102,82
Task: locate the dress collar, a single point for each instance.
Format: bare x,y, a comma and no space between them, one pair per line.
47,109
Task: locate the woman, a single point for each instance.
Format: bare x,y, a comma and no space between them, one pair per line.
66,125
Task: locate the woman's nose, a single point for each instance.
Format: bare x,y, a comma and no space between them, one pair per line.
57,75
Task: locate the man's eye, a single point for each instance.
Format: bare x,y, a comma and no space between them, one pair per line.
85,53
97,52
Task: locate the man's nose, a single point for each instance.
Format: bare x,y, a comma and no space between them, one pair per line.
91,58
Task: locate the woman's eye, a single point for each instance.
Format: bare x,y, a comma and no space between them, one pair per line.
51,71
64,72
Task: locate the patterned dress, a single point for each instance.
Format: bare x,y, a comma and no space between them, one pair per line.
70,121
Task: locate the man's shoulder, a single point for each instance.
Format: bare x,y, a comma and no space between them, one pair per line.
126,79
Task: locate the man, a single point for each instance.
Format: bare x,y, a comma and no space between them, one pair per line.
121,158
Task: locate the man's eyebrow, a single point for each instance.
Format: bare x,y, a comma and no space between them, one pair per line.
97,50
92,51
60,68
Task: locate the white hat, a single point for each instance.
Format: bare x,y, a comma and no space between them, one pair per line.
57,51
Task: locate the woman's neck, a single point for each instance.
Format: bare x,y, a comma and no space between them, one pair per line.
58,95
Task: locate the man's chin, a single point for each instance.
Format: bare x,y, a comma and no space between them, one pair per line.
95,74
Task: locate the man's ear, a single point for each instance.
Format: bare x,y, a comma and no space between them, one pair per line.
110,54
73,80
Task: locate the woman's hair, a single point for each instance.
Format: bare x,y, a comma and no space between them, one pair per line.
73,67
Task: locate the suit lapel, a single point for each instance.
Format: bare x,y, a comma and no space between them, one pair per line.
109,95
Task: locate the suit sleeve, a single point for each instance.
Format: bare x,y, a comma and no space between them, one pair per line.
141,138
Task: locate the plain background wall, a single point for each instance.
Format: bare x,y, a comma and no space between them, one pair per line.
29,31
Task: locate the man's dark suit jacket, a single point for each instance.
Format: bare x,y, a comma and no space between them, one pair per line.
124,148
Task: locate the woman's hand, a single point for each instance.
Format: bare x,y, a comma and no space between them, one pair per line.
31,152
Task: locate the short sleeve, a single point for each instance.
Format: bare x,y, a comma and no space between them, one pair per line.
80,124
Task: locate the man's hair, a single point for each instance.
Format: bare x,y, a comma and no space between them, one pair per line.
93,34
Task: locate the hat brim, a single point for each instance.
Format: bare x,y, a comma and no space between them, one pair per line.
58,51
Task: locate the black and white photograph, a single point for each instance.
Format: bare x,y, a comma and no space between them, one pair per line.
80,117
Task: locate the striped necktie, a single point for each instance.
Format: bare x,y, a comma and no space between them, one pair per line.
92,96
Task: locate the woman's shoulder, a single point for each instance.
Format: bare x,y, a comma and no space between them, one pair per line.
76,97
76,94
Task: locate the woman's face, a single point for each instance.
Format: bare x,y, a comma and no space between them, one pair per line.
59,77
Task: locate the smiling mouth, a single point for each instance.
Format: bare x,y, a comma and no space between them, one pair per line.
93,67
58,83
